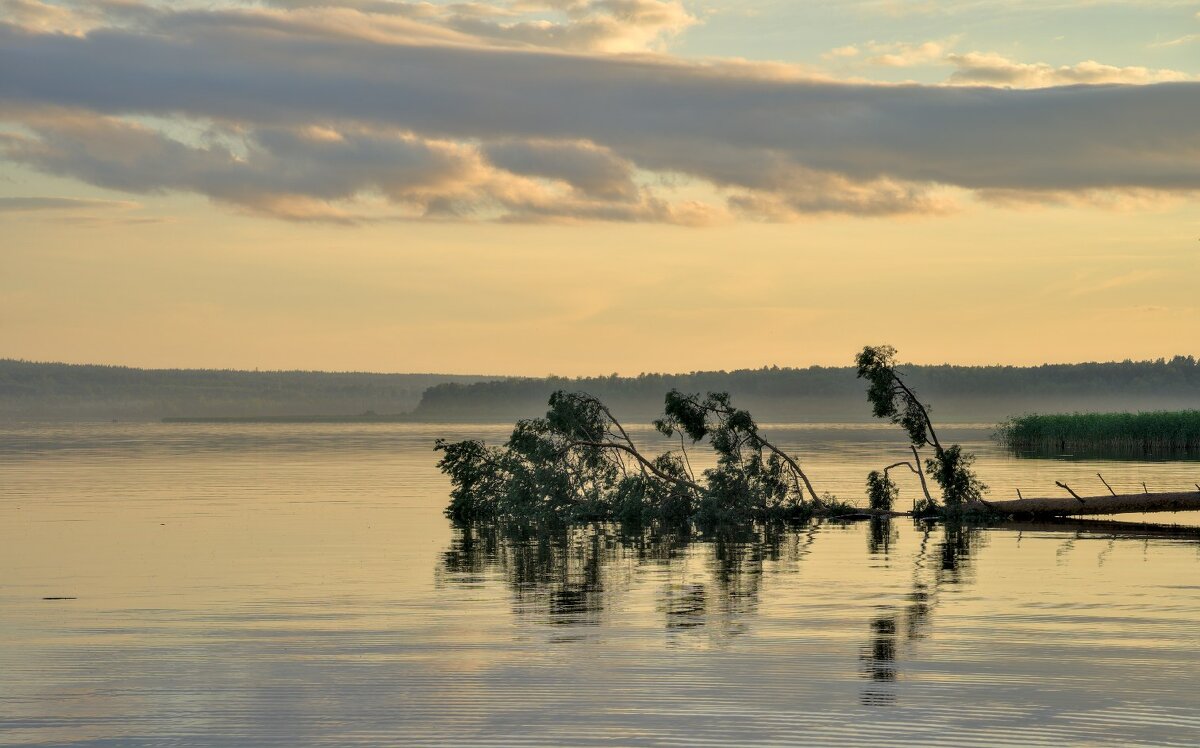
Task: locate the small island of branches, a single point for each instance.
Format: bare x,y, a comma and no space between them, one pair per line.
579,464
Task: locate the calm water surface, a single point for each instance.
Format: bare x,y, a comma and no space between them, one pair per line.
297,585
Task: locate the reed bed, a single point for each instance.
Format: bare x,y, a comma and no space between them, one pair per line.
1152,433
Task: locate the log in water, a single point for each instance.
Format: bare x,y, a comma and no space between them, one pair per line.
1070,506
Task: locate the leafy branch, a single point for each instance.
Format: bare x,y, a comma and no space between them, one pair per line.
892,398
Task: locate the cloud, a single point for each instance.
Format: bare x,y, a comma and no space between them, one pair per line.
73,17
317,173
994,70
1185,39
900,8
1128,199
905,55
75,211
847,51
594,25
578,25
591,170
1086,287
39,16
358,123
831,194
38,204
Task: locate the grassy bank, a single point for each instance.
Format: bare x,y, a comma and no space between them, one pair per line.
1154,433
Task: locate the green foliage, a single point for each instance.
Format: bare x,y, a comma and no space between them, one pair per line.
1139,434
750,471
881,491
578,463
891,398
924,508
557,466
477,477
951,468
888,395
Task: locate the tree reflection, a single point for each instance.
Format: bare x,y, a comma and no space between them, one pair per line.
569,575
700,588
556,574
881,534
893,629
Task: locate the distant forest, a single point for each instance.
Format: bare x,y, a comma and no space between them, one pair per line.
85,392
816,394
959,394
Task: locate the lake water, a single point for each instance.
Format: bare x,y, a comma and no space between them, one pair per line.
297,585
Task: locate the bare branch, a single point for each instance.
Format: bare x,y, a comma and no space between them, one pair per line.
921,474
645,463
794,465
1064,485
687,462
924,413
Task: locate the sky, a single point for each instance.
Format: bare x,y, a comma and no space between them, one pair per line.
582,187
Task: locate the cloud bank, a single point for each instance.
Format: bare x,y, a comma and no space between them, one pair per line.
375,110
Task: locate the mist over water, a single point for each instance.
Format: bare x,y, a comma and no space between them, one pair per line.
297,584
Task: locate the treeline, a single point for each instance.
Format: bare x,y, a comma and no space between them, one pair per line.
958,393
30,390
830,394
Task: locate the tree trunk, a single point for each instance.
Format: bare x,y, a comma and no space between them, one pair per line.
1069,506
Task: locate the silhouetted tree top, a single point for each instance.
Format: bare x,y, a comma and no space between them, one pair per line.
892,398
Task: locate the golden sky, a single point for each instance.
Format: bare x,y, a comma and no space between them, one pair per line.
596,186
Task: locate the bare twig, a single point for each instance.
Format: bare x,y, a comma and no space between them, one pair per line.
1060,484
920,474
1147,490
1019,496
686,461
1101,477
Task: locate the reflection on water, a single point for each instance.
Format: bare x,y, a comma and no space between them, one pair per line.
894,629
559,576
297,585
1107,454
569,575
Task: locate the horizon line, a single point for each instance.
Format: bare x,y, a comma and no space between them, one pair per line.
771,367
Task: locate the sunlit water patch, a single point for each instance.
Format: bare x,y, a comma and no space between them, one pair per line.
297,585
